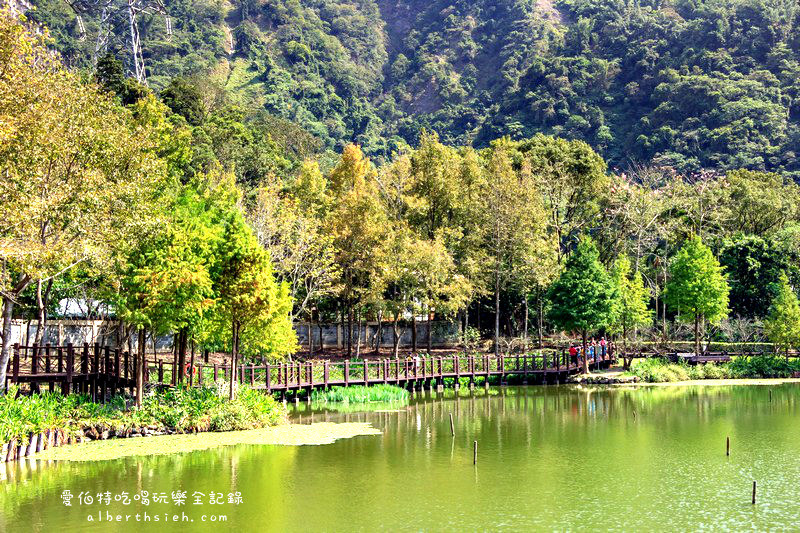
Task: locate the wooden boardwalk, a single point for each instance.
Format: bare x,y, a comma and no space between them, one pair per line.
99,371
92,370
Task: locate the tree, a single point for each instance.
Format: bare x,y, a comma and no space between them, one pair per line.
250,301
572,180
78,177
782,325
754,266
516,237
698,287
359,226
630,303
184,99
582,298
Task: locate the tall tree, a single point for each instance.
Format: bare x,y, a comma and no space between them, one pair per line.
782,325
251,304
516,233
630,303
698,287
78,178
358,225
582,298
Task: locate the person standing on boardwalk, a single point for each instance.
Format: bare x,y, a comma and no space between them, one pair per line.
573,353
603,347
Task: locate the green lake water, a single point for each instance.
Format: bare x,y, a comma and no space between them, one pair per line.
549,458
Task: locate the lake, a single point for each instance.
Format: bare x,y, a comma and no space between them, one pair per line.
549,458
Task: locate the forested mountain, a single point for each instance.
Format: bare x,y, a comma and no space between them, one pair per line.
686,83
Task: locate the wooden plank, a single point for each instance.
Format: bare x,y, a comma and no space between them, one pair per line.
70,367
51,385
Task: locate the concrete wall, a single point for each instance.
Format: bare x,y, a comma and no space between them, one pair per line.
61,332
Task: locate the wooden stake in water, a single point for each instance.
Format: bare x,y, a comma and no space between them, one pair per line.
754,492
727,446
475,453
770,395
452,426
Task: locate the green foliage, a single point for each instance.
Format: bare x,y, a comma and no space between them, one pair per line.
698,286
687,84
184,99
631,299
782,324
582,298
361,394
180,409
754,266
660,370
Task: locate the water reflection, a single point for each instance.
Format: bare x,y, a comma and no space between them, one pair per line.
549,458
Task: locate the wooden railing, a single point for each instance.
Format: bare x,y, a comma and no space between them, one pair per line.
93,370
97,370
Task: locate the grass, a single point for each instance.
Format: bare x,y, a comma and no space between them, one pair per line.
660,370
361,394
179,409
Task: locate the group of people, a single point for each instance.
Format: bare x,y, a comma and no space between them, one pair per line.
594,349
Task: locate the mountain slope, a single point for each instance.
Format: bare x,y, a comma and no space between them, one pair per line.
689,83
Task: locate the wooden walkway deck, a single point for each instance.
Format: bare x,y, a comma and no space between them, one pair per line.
98,371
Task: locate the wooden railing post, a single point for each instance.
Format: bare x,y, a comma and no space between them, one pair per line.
96,369
268,378
346,372
67,387
47,368
366,373
252,375
326,372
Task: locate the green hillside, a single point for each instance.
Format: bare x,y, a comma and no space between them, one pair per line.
686,83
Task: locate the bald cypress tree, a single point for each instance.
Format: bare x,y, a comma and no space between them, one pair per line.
582,297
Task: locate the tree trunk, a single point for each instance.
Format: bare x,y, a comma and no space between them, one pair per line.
183,335
310,330
234,356
396,339
8,311
141,354
585,352
42,301
379,333
191,366
497,314
626,361
525,327
429,333
540,318
349,331
358,334
697,334
413,332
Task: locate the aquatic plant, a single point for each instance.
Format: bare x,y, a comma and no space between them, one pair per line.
361,394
